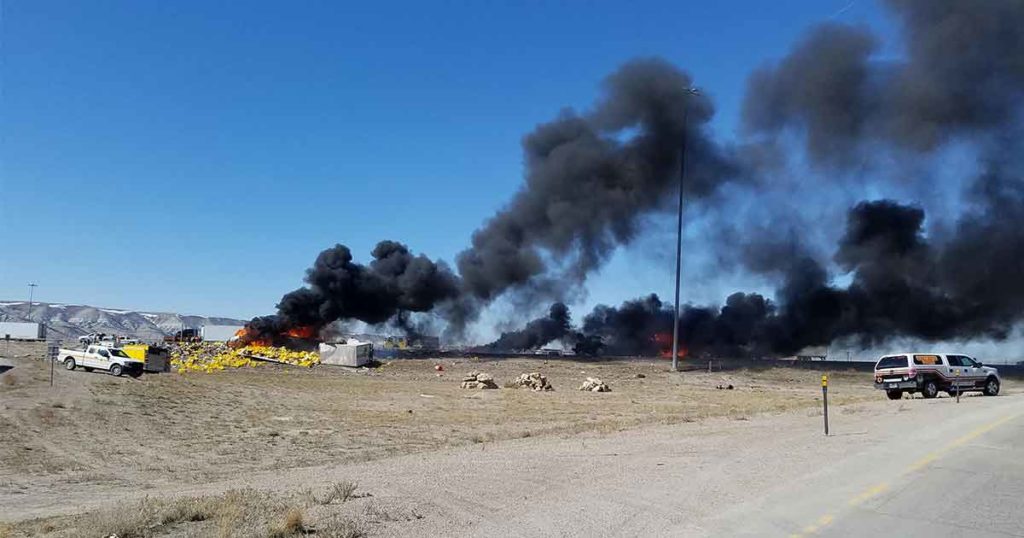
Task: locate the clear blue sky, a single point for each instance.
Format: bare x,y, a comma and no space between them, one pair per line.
195,156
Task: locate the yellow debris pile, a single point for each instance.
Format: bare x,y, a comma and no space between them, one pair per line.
280,354
216,356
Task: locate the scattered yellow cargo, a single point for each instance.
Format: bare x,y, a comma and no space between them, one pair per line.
214,357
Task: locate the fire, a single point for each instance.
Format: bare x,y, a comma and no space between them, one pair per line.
243,337
664,341
301,332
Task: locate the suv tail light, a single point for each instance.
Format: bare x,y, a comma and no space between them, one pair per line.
913,372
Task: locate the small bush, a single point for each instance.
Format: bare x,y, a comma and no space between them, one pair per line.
291,525
378,512
341,490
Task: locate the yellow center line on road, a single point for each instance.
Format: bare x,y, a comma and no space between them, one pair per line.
928,459
869,493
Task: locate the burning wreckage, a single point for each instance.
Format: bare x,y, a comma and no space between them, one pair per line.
832,119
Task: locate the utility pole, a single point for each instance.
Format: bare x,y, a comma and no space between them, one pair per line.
679,230
31,292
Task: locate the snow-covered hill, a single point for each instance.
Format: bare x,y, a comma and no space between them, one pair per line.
71,320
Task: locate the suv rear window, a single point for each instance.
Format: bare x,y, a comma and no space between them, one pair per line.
896,361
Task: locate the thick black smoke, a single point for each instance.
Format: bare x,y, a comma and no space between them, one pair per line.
589,179
592,177
902,285
630,328
961,79
395,282
962,75
537,333
585,188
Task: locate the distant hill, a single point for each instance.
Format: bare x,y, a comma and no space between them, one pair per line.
69,321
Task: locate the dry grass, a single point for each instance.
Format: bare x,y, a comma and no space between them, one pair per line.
180,429
242,513
290,417
339,528
290,526
342,491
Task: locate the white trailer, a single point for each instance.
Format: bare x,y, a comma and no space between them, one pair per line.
10,330
219,333
346,354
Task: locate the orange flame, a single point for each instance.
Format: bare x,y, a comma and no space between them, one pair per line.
243,338
301,332
664,341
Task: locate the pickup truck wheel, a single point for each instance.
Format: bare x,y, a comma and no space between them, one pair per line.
991,387
930,389
69,363
116,370
894,394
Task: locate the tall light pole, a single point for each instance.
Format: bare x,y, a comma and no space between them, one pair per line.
31,291
679,230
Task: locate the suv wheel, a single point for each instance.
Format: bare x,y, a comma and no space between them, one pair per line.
116,370
930,389
894,394
991,386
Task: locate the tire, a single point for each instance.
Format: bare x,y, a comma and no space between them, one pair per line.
116,370
930,389
69,363
991,387
894,394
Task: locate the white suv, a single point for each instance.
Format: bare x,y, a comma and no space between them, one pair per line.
929,373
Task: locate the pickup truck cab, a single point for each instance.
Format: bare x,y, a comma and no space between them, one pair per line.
96,357
930,373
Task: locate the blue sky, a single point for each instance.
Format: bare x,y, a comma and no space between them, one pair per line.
196,156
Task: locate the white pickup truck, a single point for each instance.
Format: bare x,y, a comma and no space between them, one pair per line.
110,359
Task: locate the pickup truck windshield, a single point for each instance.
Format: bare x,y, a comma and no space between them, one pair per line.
897,361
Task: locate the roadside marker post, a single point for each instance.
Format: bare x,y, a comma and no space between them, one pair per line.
957,382
52,352
824,399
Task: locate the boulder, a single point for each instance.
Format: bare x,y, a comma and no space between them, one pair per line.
593,384
533,381
478,380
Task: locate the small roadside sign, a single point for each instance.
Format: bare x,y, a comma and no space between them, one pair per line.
824,399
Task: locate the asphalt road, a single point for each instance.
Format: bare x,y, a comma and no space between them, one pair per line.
956,470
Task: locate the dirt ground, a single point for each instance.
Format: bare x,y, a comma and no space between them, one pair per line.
92,434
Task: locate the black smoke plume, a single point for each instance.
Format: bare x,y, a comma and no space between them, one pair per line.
537,333
592,177
629,328
902,285
962,75
589,179
394,283
585,189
